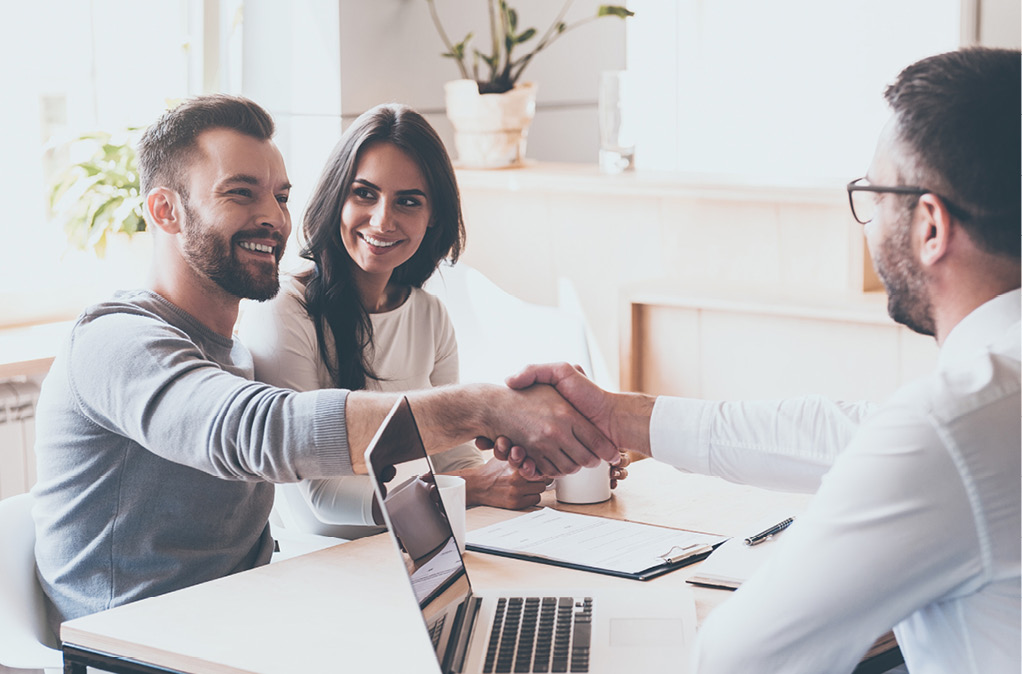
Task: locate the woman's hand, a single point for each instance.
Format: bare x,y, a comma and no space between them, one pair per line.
514,455
496,483
620,471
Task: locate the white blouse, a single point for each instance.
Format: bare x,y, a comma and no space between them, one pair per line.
414,348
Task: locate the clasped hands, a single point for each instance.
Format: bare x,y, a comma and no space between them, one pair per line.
555,422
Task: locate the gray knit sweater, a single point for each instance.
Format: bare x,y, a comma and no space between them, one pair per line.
155,454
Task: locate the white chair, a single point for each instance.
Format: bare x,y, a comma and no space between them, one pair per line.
25,639
498,333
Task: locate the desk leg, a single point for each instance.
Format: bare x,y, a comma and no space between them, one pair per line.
881,663
74,667
77,659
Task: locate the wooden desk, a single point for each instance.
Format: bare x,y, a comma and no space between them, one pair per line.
352,604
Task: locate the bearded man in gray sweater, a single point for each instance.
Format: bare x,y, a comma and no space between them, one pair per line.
156,449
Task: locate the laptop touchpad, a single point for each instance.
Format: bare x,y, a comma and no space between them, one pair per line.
645,631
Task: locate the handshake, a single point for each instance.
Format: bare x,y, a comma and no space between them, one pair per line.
554,420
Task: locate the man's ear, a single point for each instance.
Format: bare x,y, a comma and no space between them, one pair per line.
935,228
164,209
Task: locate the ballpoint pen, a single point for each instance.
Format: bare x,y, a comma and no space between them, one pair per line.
763,535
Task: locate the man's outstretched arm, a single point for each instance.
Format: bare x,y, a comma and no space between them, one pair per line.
555,437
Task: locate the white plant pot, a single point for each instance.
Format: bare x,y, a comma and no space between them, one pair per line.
490,130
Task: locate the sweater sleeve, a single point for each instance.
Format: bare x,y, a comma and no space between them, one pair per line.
163,392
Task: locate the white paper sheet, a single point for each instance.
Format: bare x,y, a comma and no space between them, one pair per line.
584,540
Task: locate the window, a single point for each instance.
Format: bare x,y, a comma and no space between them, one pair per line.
75,67
788,91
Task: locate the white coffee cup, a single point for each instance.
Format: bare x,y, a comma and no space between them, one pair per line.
587,485
452,493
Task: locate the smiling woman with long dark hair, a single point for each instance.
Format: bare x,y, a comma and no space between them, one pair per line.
385,214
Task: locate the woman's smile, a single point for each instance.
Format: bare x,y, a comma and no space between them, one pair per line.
376,244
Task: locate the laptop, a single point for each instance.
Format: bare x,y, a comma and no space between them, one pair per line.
639,628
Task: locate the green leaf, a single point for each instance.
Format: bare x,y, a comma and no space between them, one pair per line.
99,246
101,219
614,10
561,26
458,50
512,19
100,194
527,35
490,60
90,168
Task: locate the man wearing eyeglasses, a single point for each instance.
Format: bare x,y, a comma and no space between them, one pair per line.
915,523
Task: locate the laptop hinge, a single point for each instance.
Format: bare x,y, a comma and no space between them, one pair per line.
464,626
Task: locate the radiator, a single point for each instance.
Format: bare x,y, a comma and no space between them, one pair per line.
17,436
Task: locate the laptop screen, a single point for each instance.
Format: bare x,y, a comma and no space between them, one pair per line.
418,522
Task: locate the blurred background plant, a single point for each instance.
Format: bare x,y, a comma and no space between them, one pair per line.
99,195
502,70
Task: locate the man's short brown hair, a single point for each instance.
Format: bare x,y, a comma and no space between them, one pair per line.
169,144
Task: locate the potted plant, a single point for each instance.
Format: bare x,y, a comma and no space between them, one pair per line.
490,107
99,196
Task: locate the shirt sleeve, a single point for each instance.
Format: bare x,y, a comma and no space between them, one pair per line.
160,390
777,444
340,500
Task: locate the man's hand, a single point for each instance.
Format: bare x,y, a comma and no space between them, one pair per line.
571,382
555,438
497,484
622,418
516,458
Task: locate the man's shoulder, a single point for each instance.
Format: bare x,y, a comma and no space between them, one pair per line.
125,313
141,303
132,321
987,377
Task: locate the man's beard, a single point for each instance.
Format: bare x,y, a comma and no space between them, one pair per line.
908,296
216,259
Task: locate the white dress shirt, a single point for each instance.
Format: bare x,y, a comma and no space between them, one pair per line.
915,524
413,348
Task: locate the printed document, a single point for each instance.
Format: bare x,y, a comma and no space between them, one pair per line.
588,541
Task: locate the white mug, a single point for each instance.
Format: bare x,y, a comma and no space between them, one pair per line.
452,493
587,485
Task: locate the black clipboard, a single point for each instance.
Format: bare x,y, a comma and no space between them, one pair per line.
645,574
567,539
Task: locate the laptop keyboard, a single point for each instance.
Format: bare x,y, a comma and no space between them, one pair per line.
534,634
437,629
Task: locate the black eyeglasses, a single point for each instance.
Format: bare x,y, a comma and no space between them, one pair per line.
864,204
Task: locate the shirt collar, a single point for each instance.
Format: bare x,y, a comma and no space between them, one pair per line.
983,326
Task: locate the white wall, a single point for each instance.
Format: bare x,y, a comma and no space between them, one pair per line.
999,23
390,51
317,64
